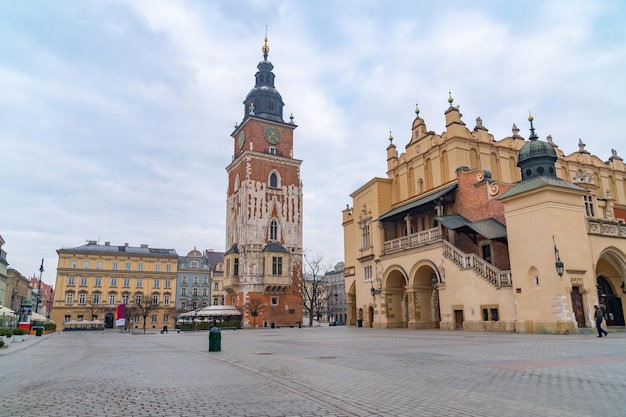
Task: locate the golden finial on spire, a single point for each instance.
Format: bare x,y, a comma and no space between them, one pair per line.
390,137
265,48
450,99
417,110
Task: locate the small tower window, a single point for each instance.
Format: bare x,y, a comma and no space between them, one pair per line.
270,105
273,230
274,181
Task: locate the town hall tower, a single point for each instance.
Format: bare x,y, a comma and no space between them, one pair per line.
264,210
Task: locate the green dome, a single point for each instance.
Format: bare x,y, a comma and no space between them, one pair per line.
536,149
536,158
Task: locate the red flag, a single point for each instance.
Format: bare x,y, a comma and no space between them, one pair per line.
120,315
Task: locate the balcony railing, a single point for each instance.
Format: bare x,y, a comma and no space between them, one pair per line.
606,228
481,267
413,240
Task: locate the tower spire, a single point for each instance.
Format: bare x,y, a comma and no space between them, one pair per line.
533,136
265,48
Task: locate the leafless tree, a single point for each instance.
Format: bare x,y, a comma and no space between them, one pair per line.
144,308
313,286
254,306
94,309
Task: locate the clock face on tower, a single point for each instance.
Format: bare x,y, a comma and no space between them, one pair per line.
241,139
272,135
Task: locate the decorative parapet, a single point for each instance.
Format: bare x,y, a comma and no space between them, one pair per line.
606,228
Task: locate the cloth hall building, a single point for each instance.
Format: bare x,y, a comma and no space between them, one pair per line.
468,232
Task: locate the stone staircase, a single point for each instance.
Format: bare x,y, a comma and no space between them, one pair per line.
482,268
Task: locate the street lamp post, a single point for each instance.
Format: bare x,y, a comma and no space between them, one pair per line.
335,307
39,288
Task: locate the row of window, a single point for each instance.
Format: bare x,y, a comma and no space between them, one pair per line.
196,280
277,266
136,318
115,266
113,282
95,300
194,291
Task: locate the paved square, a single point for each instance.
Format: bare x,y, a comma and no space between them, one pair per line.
322,371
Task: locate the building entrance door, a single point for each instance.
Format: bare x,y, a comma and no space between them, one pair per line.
611,303
577,306
108,321
458,319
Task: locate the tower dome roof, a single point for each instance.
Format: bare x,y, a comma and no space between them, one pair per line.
536,158
264,100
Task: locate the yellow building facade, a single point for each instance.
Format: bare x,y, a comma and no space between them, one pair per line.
469,232
93,279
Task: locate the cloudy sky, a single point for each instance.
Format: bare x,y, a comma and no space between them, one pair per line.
115,116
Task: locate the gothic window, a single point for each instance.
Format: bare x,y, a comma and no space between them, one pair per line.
274,180
236,184
236,267
273,230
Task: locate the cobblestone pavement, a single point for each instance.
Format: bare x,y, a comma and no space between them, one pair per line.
322,371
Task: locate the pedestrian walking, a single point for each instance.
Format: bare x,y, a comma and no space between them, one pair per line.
599,317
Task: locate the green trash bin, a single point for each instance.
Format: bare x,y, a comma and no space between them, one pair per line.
215,339
38,330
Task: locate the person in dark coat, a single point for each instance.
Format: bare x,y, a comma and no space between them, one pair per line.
599,317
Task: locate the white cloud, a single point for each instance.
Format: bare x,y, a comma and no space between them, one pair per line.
118,115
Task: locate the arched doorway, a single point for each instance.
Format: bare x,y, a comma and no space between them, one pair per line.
392,302
610,303
423,297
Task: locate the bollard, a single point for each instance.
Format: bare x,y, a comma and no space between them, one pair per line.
215,339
